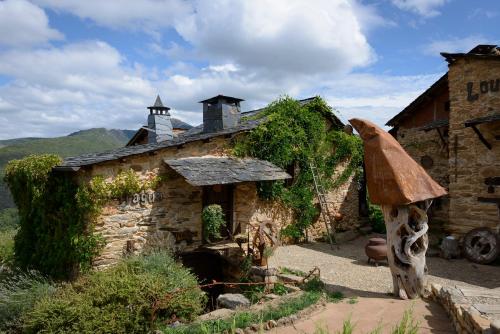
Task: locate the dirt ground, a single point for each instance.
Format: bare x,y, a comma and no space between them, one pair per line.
366,314
368,288
347,268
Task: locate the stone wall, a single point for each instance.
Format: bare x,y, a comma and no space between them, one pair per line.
470,162
173,220
417,144
465,317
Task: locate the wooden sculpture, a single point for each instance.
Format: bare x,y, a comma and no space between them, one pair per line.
396,182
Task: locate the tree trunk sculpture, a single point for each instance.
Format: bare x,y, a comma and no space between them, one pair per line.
406,247
395,181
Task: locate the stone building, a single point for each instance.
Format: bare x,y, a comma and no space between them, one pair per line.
453,130
197,169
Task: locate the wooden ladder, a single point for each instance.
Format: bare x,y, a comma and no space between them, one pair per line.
325,211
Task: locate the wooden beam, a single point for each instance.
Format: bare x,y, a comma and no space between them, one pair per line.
481,137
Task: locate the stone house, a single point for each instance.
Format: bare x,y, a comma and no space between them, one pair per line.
453,130
199,171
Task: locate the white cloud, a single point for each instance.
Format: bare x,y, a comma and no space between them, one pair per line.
454,44
425,8
256,50
279,36
24,24
124,14
64,89
375,97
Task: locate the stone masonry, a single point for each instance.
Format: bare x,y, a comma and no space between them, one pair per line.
470,162
170,216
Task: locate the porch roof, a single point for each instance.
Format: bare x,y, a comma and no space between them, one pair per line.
211,170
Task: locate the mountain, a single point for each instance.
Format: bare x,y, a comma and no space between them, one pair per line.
85,141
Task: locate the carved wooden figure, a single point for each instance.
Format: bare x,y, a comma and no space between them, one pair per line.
396,182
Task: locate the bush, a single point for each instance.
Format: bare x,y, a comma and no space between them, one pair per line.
7,246
18,294
213,219
376,218
9,219
120,299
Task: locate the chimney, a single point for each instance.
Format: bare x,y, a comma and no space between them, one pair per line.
220,112
159,123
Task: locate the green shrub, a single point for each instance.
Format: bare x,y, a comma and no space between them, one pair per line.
7,246
120,299
18,294
9,219
279,289
376,218
213,220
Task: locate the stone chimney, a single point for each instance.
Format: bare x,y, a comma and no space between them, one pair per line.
159,123
220,112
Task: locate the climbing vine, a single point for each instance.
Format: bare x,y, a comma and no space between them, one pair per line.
293,135
57,215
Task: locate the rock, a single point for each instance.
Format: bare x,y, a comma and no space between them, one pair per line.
263,271
272,323
233,301
255,327
292,288
495,326
290,278
450,248
272,296
217,314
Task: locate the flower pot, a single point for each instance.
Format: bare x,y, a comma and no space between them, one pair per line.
376,250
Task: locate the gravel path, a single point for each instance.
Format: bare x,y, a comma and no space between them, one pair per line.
347,268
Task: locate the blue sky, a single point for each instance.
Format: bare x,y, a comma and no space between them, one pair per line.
67,65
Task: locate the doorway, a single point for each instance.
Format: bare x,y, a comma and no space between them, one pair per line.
223,196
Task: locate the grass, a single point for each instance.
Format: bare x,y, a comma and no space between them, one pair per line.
247,318
7,246
289,271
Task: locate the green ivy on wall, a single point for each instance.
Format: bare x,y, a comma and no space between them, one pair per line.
296,134
56,234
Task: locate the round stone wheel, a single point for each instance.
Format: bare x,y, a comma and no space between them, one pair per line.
481,245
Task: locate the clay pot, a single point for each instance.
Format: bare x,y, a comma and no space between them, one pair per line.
376,250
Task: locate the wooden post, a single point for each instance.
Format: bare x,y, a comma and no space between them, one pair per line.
406,247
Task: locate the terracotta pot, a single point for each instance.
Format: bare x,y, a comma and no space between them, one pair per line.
376,250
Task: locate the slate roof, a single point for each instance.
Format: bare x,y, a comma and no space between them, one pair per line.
480,51
210,170
196,133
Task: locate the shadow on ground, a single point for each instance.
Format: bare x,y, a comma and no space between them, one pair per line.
441,271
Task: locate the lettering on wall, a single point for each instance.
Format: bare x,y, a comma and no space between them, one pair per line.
484,87
145,197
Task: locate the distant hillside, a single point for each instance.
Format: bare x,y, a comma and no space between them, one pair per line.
85,141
